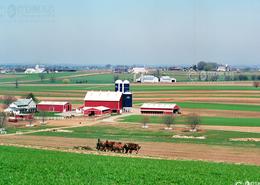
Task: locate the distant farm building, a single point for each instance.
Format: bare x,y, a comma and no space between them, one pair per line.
159,108
167,79
22,106
223,68
53,106
37,69
138,70
147,79
111,100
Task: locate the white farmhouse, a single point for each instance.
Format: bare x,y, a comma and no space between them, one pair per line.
22,106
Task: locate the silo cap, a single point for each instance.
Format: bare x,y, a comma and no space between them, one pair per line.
126,82
118,81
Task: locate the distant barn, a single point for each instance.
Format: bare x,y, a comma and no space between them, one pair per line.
159,108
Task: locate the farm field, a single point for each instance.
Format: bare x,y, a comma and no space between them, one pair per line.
249,122
230,125
51,167
157,133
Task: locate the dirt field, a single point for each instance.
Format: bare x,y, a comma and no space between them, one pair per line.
149,149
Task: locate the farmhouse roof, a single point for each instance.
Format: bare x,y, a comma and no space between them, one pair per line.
103,96
23,102
158,106
52,103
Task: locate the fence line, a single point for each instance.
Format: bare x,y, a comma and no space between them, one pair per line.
49,118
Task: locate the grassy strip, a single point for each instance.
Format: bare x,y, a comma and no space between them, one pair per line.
219,121
134,88
31,166
212,106
219,106
139,134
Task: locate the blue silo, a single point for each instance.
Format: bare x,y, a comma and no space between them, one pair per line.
118,86
127,100
126,85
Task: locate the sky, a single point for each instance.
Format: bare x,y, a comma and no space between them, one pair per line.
141,32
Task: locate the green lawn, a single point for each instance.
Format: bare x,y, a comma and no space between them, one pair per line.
250,122
118,133
31,166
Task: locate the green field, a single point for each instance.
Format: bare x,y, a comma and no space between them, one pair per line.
139,134
220,121
135,88
30,166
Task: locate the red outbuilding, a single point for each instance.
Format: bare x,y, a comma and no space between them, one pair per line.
53,106
111,100
96,111
159,108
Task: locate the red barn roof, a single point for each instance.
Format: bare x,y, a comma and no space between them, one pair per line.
103,96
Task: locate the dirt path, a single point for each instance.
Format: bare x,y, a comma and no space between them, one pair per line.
152,149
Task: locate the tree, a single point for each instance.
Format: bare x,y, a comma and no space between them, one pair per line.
42,76
116,77
2,119
193,120
66,81
53,78
16,83
7,100
157,73
32,96
256,84
30,120
43,115
168,120
145,120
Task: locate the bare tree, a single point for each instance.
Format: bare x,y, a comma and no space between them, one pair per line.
30,120
43,115
42,76
168,120
7,100
53,78
16,83
145,120
2,120
193,120
256,84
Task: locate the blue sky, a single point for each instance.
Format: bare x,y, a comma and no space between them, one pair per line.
170,32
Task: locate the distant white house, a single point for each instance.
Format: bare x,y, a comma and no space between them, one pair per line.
21,106
167,79
139,70
147,79
37,69
223,68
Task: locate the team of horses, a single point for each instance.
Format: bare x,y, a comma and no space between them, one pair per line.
117,146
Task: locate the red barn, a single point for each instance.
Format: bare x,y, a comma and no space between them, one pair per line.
53,106
111,100
159,108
